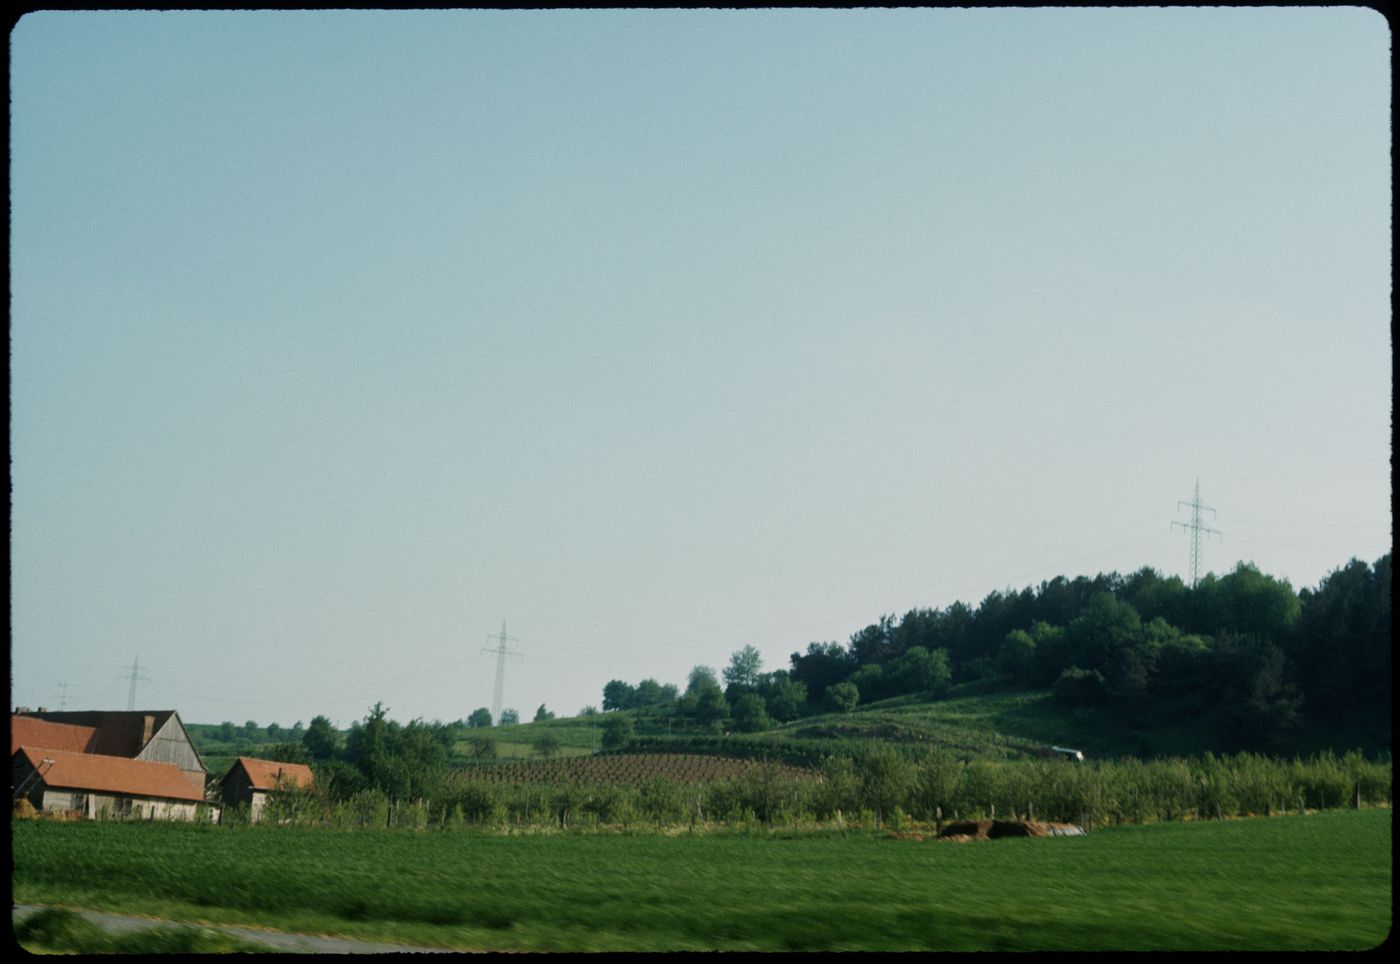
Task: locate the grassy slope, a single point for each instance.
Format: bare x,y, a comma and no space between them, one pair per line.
975,722
972,722
1319,882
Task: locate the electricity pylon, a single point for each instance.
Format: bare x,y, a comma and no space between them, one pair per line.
1196,528
500,653
134,676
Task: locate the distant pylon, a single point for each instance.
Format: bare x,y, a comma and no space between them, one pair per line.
1196,528
134,676
500,653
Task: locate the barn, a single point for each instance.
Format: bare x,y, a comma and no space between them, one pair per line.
151,736
249,781
98,786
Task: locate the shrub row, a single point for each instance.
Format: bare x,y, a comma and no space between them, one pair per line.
875,788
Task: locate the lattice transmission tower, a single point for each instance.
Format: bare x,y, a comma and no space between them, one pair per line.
1196,527
134,675
500,652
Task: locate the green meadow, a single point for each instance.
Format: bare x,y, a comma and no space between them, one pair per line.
1315,882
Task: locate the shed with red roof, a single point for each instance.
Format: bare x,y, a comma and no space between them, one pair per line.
250,780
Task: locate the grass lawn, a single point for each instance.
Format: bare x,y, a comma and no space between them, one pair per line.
1316,882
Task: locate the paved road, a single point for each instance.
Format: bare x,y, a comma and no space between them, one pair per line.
292,943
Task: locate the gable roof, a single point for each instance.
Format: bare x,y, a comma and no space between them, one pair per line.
29,731
267,774
96,773
119,732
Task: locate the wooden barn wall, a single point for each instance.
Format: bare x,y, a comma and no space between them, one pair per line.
170,745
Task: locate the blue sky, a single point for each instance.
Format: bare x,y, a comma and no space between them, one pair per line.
338,339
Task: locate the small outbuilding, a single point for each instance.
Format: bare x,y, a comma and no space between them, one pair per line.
249,781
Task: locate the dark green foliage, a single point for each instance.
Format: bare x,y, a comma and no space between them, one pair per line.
403,762
783,698
479,718
57,930
869,682
618,695
1016,657
742,673
482,745
1106,625
821,666
885,781
1341,644
750,713
1080,687
320,739
917,670
1151,647
873,644
287,753
841,697
546,745
618,731
704,702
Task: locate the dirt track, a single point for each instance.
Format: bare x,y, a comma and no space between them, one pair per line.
291,943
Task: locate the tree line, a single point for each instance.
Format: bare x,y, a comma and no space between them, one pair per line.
1243,651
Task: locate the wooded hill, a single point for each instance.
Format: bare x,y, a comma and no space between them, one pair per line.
1139,664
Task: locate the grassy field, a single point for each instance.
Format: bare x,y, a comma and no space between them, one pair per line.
1316,882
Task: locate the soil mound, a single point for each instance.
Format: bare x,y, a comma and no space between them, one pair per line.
991,829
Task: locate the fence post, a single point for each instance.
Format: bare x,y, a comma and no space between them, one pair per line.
1030,811
1356,797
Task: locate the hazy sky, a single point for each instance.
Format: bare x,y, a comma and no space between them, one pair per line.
338,339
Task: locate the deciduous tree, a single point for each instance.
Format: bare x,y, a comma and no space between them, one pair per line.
841,697
320,739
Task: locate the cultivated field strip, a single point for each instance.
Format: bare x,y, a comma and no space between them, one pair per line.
626,768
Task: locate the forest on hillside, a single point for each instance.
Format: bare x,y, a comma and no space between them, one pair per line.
1244,652
1242,655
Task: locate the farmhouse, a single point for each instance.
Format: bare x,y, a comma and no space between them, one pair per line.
150,736
96,785
249,781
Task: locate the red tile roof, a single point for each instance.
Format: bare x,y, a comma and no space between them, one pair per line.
266,774
119,733
111,774
29,731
